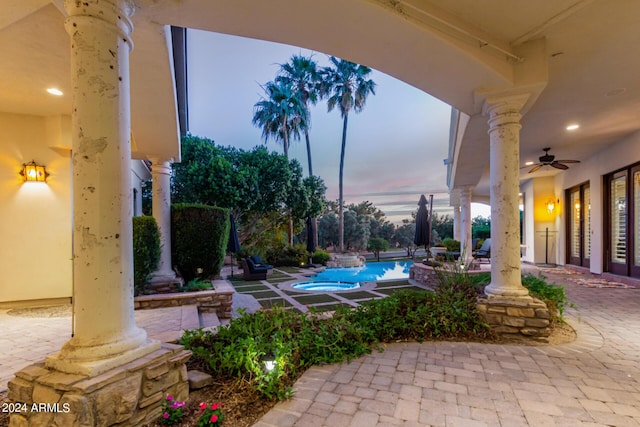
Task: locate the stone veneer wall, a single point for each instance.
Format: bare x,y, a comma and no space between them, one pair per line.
218,300
516,319
129,395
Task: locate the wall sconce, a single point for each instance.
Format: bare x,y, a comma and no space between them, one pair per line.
551,206
33,172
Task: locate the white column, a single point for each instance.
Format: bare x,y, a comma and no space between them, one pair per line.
465,225
504,156
161,176
106,335
456,220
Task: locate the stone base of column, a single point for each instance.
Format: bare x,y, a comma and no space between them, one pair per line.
164,281
62,362
516,319
129,395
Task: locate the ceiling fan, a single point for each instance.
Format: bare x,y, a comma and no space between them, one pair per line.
549,160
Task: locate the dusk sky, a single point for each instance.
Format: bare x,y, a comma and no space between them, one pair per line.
395,146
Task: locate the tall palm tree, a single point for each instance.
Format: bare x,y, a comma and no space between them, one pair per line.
301,74
347,86
281,114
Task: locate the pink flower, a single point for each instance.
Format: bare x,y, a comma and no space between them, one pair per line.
214,418
175,405
203,406
214,406
165,415
169,397
181,404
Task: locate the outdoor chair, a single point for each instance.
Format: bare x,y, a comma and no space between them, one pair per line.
251,272
257,261
484,251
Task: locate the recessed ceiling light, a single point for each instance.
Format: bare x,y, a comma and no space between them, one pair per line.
54,91
573,127
528,163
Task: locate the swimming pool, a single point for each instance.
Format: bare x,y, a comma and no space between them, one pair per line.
370,272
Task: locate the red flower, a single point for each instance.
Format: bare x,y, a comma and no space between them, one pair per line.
203,406
214,418
214,406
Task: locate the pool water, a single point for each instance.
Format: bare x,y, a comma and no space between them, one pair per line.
325,286
370,272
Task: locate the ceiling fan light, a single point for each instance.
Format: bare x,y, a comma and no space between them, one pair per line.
573,126
529,163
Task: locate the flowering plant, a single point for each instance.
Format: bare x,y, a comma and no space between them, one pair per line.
172,411
210,416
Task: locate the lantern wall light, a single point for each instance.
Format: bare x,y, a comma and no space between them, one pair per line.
33,172
551,205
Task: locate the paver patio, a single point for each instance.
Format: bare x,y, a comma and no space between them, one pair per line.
594,381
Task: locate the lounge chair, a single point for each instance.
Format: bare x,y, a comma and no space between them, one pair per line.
252,272
257,260
484,251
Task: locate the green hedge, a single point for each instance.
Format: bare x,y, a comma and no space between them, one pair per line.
199,236
146,250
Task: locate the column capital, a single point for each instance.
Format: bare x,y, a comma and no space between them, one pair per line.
160,166
111,13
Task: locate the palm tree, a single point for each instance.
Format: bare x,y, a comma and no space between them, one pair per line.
301,74
280,115
346,85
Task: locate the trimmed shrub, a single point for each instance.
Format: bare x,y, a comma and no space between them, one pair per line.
451,244
199,236
291,256
146,250
320,256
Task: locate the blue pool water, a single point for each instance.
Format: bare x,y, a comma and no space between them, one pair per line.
370,272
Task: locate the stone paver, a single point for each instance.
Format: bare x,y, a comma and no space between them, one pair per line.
593,381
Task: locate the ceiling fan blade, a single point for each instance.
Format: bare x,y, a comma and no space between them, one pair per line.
559,166
535,168
568,161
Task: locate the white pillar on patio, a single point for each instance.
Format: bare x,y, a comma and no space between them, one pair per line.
465,225
504,133
161,201
106,335
456,220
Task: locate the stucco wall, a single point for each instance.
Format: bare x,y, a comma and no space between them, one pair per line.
615,156
35,218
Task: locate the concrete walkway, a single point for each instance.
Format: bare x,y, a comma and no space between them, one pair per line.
594,381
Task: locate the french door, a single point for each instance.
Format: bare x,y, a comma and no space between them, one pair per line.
579,225
623,222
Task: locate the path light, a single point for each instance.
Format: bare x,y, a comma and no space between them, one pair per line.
33,172
269,365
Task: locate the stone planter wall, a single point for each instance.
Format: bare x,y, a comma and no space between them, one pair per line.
129,395
516,319
217,300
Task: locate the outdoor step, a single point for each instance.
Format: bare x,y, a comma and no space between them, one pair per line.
189,317
209,320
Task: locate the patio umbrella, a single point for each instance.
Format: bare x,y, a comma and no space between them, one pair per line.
423,232
233,245
311,245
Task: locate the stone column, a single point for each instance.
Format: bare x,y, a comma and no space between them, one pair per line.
106,335
456,220
161,176
465,225
504,133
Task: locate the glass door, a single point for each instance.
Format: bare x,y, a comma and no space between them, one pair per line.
579,225
618,224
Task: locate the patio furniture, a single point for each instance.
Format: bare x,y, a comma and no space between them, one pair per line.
257,261
252,272
484,251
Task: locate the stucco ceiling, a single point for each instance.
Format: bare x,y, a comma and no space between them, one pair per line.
577,58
